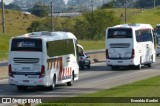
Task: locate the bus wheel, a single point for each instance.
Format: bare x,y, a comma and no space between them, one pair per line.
139,67
89,65
53,83
72,80
20,88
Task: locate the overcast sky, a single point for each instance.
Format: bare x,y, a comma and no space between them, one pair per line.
8,1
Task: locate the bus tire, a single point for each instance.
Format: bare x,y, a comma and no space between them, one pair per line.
21,88
72,80
139,67
89,65
150,64
52,87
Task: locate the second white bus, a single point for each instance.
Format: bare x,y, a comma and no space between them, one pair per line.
130,45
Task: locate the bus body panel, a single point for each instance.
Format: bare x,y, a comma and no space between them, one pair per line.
120,50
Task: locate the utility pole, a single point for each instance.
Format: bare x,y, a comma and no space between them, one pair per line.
92,5
125,15
154,4
92,16
52,16
3,17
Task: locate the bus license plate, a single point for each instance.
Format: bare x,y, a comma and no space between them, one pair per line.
32,76
120,61
26,81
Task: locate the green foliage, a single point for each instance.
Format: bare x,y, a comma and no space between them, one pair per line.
109,5
81,29
94,24
40,10
90,26
39,25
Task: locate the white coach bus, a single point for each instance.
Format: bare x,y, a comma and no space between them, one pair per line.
130,45
43,59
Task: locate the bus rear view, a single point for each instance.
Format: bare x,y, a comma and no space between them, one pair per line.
43,59
119,47
25,61
123,47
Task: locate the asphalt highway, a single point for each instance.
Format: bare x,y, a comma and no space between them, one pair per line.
97,78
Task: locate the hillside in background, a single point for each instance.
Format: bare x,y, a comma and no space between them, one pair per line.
16,22
149,16
120,12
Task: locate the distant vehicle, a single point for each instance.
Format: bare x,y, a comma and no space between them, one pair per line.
130,45
43,59
84,60
158,50
157,33
157,30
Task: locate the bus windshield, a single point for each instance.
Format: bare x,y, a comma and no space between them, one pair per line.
120,33
26,45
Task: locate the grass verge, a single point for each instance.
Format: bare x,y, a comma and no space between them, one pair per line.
4,43
92,45
145,88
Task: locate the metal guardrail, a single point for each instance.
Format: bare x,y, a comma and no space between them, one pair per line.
95,51
5,63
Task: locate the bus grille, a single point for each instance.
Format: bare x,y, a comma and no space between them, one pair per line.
26,60
120,45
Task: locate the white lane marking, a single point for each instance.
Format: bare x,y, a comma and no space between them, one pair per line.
116,77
